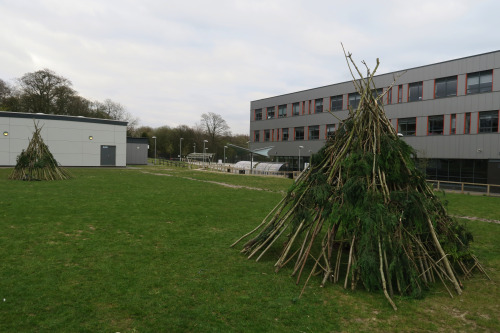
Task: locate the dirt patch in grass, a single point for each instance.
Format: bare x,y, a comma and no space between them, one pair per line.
473,218
211,182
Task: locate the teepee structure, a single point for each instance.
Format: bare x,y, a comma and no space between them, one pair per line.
37,162
363,214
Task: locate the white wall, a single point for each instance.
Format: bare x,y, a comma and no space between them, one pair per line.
67,139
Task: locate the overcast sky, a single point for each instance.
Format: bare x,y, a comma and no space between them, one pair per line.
169,61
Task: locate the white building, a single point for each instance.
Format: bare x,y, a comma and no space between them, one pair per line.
74,141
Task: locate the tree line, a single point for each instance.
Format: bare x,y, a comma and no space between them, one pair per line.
44,91
212,128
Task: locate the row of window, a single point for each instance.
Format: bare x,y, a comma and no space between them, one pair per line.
487,123
478,82
299,133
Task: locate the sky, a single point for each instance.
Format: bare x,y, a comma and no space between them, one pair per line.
169,61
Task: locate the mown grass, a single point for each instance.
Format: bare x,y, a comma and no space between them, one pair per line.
121,250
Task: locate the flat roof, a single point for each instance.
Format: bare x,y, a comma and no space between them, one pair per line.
394,72
10,114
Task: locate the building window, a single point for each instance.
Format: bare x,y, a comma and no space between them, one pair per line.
256,136
415,91
267,135
480,82
295,109
282,111
270,112
400,93
318,105
258,114
389,95
467,123
453,124
299,133
336,103
445,87
435,125
407,126
354,99
314,132
377,93
330,130
284,134
488,122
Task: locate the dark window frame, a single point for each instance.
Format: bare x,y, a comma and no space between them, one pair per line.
267,135
298,133
257,114
404,126
487,122
284,132
329,131
318,105
481,87
467,120
400,93
433,127
272,114
337,103
313,132
282,111
356,100
445,87
296,109
415,91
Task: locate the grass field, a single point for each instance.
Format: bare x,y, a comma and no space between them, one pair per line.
147,250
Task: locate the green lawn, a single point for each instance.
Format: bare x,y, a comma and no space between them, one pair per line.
147,250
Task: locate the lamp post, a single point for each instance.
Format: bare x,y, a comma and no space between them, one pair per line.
194,147
300,147
204,141
180,149
154,137
224,162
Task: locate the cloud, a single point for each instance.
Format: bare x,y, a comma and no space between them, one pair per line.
170,61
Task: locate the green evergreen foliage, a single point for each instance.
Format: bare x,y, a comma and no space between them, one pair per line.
364,195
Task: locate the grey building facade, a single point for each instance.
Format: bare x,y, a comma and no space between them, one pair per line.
74,141
447,111
137,151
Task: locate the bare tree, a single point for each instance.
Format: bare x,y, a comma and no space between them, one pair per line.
40,90
5,94
214,125
4,89
116,111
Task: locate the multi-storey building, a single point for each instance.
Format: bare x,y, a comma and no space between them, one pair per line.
447,111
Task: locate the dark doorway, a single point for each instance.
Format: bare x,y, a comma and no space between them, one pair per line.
108,155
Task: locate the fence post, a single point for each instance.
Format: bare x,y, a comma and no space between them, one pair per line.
462,188
488,189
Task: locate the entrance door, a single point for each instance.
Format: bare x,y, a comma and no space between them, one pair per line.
494,172
108,155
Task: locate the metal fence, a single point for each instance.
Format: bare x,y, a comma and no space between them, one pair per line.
488,189
461,187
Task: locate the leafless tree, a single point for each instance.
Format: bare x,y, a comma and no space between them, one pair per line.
116,111
214,126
